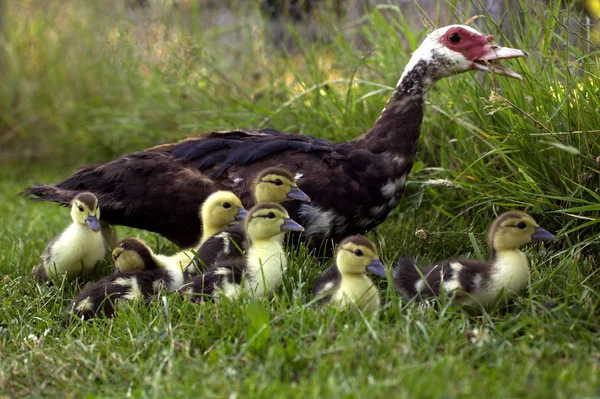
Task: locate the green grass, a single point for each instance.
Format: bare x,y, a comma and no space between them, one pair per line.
81,83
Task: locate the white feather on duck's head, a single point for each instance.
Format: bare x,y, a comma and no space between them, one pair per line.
513,229
358,255
85,210
277,185
266,221
133,254
456,49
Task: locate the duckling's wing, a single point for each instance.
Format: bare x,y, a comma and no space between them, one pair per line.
461,275
411,279
148,190
228,244
218,277
100,298
327,282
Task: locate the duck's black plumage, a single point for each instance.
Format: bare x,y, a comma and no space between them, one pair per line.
353,185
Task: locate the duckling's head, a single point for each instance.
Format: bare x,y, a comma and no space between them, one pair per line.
358,255
277,185
220,209
269,220
85,210
132,254
513,229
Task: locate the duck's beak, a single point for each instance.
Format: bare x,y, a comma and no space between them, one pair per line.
93,223
297,194
542,235
241,215
489,61
290,225
376,267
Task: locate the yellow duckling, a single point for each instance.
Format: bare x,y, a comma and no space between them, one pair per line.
79,248
219,210
261,270
272,185
475,281
148,273
345,284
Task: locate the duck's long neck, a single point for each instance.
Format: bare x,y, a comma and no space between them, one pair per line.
397,129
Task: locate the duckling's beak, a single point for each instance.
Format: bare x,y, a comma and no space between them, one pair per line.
93,223
297,194
542,235
241,215
290,225
376,267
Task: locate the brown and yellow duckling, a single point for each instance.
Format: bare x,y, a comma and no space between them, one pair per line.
346,283
218,211
147,274
262,268
272,185
474,281
77,250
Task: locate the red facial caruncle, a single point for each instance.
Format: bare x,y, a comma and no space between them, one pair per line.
471,44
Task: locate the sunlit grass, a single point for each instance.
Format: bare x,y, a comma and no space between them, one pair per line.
87,81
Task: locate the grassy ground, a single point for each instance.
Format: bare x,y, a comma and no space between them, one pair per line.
82,84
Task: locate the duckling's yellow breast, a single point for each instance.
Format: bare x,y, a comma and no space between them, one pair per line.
266,263
510,273
358,290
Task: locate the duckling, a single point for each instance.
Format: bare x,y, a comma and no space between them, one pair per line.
219,210
272,185
79,248
345,283
478,282
261,270
144,275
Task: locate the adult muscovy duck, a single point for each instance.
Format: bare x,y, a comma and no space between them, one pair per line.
353,185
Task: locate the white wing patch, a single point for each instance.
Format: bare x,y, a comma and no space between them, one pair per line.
454,284
85,304
298,176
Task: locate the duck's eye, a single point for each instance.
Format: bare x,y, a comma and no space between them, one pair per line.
277,182
270,215
358,252
454,38
522,225
80,208
226,205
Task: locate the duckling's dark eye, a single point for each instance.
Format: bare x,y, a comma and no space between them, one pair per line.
270,215
277,182
522,225
454,38
226,205
80,208
358,252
